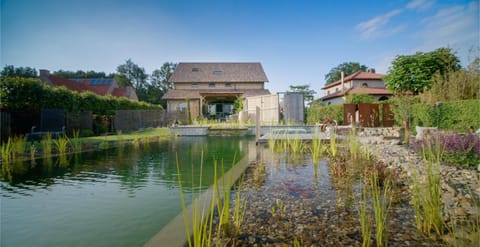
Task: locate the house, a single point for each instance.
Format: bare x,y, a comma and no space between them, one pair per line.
360,82
212,88
100,86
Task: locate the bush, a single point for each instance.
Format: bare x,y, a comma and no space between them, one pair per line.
458,149
30,94
360,98
318,114
453,115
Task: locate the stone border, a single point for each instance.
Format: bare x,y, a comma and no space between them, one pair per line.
174,232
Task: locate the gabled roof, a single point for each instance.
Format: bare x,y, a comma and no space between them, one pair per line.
218,72
359,90
360,75
196,94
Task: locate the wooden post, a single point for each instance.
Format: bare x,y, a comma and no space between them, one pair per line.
257,124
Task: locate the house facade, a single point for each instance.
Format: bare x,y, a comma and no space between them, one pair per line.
212,88
360,82
100,86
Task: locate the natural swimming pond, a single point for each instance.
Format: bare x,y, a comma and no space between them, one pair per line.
115,197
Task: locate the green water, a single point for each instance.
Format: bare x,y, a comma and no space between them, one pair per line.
118,197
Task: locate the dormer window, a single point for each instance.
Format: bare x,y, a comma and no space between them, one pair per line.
365,84
217,72
195,85
228,84
211,84
195,69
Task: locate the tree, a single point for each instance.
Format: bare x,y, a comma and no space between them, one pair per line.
414,72
81,74
130,74
305,89
159,84
26,72
348,68
135,75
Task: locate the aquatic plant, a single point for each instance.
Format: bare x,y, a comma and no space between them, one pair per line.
61,143
33,150
18,146
426,200
316,149
76,144
381,198
46,144
296,144
364,217
7,151
136,142
333,145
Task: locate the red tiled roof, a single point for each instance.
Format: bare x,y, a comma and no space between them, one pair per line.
359,90
120,92
72,85
360,75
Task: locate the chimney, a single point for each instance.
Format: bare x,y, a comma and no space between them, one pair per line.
342,75
44,77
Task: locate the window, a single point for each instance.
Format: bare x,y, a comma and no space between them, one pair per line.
217,72
211,84
195,85
364,84
228,84
328,92
195,69
336,89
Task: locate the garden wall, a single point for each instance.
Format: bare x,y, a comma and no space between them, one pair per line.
131,120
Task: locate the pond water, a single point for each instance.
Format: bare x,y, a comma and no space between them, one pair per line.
116,197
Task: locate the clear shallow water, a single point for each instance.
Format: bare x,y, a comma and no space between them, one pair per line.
118,197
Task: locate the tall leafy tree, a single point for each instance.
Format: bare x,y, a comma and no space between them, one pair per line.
11,71
414,73
159,84
135,75
348,68
308,93
130,74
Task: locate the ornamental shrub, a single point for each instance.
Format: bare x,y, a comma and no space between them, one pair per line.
318,114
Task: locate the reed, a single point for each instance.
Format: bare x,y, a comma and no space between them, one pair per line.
364,217
46,144
76,144
136,142
61,144
381,198
7,151
272,142
33,150
18,146
239,209
296,144
316,149
354,147
333,146
426,192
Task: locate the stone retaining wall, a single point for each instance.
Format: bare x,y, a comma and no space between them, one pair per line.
391,132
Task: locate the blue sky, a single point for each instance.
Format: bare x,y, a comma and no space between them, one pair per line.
296,41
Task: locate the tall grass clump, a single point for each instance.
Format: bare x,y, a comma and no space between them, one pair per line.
7,151
46,144
18,146
381,198
364,217
76,144
426,192
61,144
333,145
296,144
316,149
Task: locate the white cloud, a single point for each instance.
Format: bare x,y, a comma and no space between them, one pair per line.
377,26
420,4
457,27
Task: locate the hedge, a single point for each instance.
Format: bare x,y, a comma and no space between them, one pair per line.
318,114
451,115
18,93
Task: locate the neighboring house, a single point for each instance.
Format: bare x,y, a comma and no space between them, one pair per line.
212,88
100,86
360,82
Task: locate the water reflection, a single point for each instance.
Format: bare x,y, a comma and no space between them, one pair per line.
117,197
